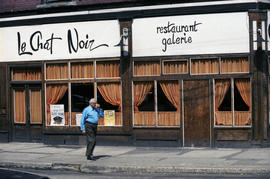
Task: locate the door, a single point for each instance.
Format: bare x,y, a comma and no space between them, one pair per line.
26,113
196,113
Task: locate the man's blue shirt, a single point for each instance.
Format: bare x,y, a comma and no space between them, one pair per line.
91,115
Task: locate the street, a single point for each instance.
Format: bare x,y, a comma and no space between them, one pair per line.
56,174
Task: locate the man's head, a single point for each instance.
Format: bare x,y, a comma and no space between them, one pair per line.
93,102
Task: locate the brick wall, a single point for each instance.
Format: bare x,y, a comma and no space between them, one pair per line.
22,5
18,5
84,2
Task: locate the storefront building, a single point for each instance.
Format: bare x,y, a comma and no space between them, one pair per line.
181,74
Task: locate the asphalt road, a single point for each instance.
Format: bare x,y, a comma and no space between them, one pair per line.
54,174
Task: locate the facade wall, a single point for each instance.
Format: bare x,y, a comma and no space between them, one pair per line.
16,5
155,60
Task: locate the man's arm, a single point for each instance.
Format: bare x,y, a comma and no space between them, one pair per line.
100,111
82,121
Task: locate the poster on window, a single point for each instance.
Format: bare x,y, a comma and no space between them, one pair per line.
78,119
109,117
57,115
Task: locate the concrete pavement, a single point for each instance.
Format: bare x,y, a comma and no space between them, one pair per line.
136,160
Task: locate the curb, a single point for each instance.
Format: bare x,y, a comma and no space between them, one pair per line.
96,169
171,170
26,165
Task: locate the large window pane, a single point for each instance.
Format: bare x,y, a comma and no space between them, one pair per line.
109,97
144,104
225,96
35,106
163,103
168,95
223,103
19,106
148,103
242,102
57,94
80,96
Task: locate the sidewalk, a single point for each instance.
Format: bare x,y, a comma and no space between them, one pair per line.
136,160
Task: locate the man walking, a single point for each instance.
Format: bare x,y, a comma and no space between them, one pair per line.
89,122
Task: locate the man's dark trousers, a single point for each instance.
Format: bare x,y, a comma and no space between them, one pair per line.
91,132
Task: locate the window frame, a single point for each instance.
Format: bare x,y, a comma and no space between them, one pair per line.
14,105
69,81
30,91
232,79
155,83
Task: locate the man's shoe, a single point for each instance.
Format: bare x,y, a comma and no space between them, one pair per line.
91,157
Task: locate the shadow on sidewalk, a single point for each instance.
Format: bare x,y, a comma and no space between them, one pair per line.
97,157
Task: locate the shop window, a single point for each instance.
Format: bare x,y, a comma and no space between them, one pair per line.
109,93
232,103
109,97
146,68
80,96
235,65
56,71
144,105
57,94
35,106
82,70
175,67
204,66
26,73
19,106
156,103
107,69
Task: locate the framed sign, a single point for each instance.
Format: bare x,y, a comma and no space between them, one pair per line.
76,40
78,119
57,115
191,34
109,117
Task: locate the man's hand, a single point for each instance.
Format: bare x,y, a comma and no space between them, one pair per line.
83,131
97,105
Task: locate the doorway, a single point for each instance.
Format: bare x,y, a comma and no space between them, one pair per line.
196,113
26,113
